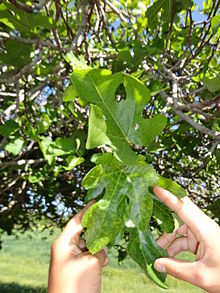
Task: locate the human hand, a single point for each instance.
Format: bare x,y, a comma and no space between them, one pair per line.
200,235
73,269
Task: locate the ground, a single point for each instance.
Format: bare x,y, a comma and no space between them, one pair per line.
24,262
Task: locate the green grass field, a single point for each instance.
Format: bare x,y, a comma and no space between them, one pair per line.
24,268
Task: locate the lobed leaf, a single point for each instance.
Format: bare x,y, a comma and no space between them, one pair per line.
143,249
124,123
162,212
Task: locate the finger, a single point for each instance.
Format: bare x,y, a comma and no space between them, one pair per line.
166,239
74,228
178,245
83,211
186,271
182,231
82,245
102,257
190,214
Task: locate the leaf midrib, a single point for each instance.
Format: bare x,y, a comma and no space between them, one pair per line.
106,106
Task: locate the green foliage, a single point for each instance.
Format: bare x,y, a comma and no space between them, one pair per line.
127,204
144,250
15,146
212,84
97,129
9,128
91,93
125,126
172,186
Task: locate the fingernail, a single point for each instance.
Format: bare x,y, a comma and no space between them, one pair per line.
160,267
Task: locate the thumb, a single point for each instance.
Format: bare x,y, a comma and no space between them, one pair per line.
179,269
102,257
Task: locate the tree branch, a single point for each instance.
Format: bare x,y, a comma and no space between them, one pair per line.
37,42
171,27
199,127
118,12
29,8
27,69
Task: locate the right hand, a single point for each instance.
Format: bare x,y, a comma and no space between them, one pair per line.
200,235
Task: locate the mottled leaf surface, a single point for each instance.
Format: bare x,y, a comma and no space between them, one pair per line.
144,250
126,200
163,213
124,121
97,129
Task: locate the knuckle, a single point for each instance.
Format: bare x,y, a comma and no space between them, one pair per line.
202,278
177,272
178,206
92,261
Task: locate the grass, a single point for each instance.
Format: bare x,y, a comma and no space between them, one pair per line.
24,264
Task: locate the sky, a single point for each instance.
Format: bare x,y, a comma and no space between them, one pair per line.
196,15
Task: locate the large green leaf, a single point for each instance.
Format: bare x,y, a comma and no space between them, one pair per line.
119,181
101,220
124,183
125,125
143,249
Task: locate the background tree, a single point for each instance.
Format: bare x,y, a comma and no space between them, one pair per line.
172,46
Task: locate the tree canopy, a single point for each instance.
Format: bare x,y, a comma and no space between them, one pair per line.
108,85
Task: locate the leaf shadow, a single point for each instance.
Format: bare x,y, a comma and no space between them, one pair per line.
17,288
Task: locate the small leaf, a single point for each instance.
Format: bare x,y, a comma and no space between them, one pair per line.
43,124
212,84
215,22
9,128
76,62
67,144
44,146
73,161
171,186
69,94
15,147
125,55
153,10
92,177
36,177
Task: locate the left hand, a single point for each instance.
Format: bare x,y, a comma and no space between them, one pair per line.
73,269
